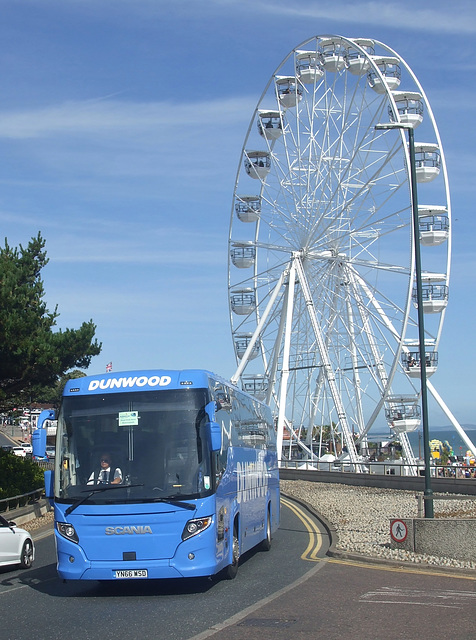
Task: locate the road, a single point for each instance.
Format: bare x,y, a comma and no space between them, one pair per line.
41,606
293,591
9,433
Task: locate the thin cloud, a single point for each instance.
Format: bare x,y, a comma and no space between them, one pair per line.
88,144
135,252
108,117
441,17
456,17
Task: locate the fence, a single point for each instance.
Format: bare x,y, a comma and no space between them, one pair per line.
10,504
386,478
392,468
45,464
421,499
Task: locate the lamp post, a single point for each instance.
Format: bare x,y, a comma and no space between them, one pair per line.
428,492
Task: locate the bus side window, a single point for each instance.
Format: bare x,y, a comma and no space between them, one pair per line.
220,466
223,398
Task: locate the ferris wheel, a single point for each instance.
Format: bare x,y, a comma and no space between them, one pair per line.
321,253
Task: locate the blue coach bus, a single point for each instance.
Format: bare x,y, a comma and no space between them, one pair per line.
192,476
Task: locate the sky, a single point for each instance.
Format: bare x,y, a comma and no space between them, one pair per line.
121,129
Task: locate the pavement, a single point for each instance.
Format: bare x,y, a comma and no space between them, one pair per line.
345,595
14,433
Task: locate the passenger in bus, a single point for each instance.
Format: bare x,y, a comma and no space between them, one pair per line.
105,475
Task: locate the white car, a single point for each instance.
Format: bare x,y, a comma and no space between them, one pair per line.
16,545
50,451
19,451
27,446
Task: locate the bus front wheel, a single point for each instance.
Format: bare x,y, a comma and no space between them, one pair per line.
232,569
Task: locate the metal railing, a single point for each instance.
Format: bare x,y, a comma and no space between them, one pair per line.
10,504
421,499
384,468
45,464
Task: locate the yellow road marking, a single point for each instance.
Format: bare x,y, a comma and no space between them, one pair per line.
315,536
401,569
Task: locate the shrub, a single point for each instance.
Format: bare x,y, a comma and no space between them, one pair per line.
18,475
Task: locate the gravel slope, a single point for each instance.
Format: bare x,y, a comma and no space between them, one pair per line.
361,516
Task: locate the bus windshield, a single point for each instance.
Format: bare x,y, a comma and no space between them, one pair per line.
148,445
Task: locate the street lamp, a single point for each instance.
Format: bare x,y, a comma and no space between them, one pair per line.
428,492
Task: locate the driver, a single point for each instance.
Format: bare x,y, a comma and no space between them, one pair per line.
105,474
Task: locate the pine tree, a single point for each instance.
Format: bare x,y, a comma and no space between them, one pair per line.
31,353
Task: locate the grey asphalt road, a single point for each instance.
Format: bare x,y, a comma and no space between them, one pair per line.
40,605
293,591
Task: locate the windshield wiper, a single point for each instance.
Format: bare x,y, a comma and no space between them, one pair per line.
176,503
90,492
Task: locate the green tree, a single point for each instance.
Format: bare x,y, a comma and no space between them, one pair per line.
32,355
52,394
18,475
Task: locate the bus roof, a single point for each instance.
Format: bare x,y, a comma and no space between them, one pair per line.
145,380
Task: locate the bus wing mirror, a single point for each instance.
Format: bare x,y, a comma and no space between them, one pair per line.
38,439
210,409
38,442
214,431
46,414
49,484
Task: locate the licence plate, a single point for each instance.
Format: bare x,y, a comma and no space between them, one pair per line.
131,573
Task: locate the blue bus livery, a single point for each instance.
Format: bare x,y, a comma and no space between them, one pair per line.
189,477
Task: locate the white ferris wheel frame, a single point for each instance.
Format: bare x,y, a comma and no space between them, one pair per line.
291,275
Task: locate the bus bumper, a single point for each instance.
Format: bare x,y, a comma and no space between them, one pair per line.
195,557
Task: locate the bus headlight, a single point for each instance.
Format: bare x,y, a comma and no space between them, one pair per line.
67,531
197,525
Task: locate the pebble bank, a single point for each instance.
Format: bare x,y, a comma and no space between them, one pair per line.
361,517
